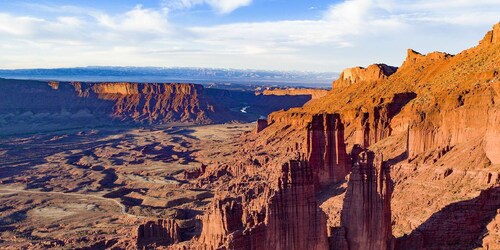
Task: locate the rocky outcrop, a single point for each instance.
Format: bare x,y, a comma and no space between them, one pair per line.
261,124
326,149
366,213
414,57
286,216
294,219
371,74
160,232
492,37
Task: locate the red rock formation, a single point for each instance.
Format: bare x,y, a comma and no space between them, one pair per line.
492,37
161,232
413,57
366,214
373,73
326,149
441,109
222,220
54,85
153,102
375,125
261,125
294,219
286,216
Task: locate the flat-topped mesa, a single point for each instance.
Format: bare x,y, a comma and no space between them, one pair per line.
155,102
161,232
366,213
326,149
492,37
371,74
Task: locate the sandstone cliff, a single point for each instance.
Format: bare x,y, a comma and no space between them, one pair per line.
157,233
366,213
436,121
326,149
153,102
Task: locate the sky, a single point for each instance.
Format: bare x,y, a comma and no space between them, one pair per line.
303,35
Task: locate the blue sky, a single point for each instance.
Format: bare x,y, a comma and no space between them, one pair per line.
314,35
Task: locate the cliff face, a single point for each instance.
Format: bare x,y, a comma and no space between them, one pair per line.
221,223
72,105
153,102
283,211
284,216
492,37
366,213
161,232
261,125
436,121
295,220
326,149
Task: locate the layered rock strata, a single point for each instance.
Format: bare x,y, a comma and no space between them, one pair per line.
366,213
286,214
284,217
326,149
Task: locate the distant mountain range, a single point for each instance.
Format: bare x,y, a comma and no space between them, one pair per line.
161,74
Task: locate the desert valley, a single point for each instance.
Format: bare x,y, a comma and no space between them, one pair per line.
389,157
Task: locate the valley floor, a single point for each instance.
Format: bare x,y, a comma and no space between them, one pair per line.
72,188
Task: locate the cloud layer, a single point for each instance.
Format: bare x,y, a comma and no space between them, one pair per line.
353,32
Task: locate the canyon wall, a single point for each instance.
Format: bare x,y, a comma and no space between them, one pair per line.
160,232
285,216
283,212
326,149
59,105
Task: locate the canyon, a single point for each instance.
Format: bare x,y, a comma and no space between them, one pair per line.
390,158
50,105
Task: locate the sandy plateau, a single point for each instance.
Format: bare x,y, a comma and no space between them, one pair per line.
99,185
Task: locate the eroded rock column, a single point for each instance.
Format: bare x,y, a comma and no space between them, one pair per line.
366,215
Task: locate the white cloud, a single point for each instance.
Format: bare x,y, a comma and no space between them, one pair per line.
221,6
136,20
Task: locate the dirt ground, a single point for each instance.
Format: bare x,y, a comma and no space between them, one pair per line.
81,185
